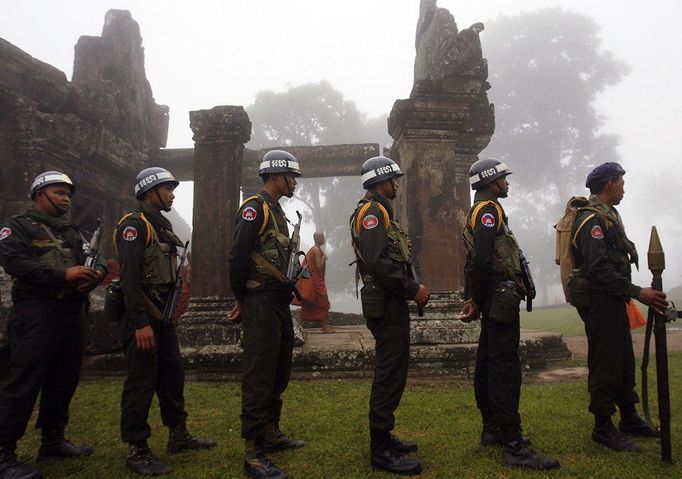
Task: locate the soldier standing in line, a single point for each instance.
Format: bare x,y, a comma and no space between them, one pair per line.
258,265
147,253
493,287
603,254
43,252
382,250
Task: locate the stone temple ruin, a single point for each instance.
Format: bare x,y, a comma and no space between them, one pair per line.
104,126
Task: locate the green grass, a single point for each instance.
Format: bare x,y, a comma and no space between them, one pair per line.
561,319
331,416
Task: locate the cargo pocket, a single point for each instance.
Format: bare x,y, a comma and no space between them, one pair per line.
504,306
373,301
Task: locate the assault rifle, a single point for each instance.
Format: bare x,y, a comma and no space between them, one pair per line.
174,294
413,273
294,268
92,247
528,282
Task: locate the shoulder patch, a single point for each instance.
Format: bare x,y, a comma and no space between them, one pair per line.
129,233
249,213
5,232
596,232
369,222
488,220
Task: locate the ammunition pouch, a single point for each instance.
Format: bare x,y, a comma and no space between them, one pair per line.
373,299
579,292
504,306
114,307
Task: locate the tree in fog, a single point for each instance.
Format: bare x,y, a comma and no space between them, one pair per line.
546,69
310,114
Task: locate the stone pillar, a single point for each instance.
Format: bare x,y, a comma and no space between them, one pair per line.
219,137
438,134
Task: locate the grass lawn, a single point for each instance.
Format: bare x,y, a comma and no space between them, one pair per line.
561,319
331,416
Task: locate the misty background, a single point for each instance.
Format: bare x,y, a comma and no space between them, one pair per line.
574,84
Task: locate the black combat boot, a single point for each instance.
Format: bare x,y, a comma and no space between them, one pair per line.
179,439
141,460
257,465
402,446
385,457
516,454
53,444
632,423
276,440
605,433
10,468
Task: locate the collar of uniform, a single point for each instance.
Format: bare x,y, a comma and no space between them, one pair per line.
271,202
608,210
379,198
485,195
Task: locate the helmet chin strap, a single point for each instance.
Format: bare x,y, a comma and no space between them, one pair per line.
60,211
165,206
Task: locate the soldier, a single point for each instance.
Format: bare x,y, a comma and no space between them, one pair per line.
603,254
258,263
492,286
43,252
382,250
147,253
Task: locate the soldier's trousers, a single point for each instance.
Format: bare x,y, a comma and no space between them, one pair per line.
497,380
46,353
157,371
392,355
268,345
610,357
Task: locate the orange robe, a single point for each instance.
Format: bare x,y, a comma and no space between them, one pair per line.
315,305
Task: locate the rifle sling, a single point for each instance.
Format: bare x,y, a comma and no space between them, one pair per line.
268,267
151,308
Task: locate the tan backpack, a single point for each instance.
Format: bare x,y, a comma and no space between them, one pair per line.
564,256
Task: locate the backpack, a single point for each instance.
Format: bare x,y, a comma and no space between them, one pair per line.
564,256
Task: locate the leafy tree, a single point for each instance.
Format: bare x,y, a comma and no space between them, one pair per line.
546,69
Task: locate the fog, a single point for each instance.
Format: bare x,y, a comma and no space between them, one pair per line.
205,53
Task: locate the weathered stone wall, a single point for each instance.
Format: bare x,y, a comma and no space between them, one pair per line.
98,129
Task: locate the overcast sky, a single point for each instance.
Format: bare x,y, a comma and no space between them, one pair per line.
221,52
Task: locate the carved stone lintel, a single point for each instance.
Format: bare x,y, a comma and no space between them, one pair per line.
220,124
439,324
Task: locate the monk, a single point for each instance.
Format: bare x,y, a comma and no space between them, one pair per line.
315,305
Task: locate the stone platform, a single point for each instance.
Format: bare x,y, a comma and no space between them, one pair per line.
349,352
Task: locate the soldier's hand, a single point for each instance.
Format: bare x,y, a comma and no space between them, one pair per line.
422,295
653,298
469,312
144,337
80,274
235,314
87,286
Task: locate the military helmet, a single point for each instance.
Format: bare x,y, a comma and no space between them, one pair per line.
51,178
278,161
378,169
486,171
151,177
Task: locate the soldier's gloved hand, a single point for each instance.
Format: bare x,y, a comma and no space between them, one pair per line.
422,295
469,312
653,298
144,337
235,314
80,274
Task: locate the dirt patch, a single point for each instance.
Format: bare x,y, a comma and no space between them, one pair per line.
578,344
